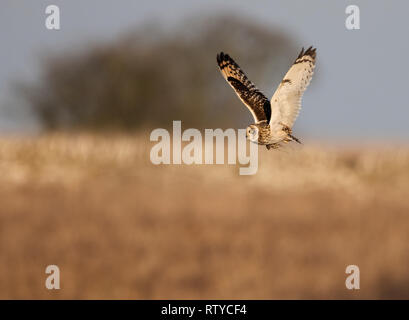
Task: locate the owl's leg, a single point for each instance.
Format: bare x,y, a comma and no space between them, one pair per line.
272,146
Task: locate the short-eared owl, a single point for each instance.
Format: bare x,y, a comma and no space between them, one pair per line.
273,119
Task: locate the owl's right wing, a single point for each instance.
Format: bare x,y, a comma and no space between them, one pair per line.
286,101
254,100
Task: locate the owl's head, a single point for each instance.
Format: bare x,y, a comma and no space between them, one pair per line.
252,133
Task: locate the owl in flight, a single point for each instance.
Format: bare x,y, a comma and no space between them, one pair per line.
273,119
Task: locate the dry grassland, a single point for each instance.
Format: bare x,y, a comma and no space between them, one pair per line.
120,227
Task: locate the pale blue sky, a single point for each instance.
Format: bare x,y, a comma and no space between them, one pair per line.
360,93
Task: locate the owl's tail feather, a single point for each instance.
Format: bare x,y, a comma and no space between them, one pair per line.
290,137
294,138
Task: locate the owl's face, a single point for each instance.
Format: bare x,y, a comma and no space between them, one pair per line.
252,133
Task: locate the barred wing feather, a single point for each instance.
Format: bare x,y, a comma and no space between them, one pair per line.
256,102
286,101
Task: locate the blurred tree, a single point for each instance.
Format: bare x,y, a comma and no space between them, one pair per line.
152,77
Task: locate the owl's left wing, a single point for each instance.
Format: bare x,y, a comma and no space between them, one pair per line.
286,101
255,101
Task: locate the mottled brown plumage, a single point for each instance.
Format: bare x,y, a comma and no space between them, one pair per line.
273,120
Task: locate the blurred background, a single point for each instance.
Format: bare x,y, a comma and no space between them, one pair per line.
78,190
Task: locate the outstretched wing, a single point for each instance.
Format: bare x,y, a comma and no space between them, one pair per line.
286,101
255,101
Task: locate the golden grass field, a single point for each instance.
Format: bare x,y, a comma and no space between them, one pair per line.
120,227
